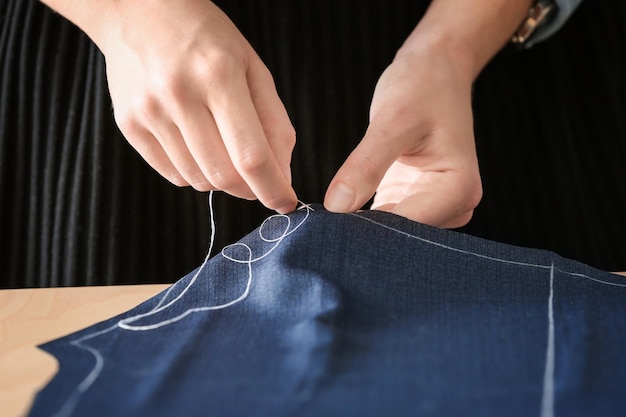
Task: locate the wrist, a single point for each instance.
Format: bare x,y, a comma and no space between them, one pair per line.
468,33
437,49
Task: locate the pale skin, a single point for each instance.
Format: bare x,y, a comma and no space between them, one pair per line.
193,98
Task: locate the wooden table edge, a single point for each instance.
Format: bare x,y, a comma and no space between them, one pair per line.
30,317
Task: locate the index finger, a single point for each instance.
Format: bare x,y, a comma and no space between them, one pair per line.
239,125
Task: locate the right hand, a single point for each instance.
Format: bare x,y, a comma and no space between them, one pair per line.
193,98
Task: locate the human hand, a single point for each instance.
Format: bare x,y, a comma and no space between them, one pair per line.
418,153
193,98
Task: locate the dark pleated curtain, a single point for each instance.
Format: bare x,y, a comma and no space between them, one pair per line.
79,207
551,136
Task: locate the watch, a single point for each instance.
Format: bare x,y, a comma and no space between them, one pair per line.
541,12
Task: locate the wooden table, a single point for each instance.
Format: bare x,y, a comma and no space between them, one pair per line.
30,317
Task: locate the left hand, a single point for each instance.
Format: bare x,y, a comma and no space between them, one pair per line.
418,153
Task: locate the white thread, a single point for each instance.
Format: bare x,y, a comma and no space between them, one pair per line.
68,407
211,241
547,400
304,205
124,323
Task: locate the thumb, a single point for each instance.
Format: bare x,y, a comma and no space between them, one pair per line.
357,179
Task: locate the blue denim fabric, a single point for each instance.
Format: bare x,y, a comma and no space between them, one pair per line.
369,314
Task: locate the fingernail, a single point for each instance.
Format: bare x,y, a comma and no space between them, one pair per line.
340,199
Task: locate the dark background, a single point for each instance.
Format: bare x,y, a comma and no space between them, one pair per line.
79,207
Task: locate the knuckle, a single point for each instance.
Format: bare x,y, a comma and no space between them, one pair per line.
283,136
143,109
199,182
252,161
202,186
221,67
169,86
223,179
130,127
287,135
126,122
364,167
263,71
149,106
176,179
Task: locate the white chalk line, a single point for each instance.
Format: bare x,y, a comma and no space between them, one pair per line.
491,258
67,409
547,399
124,323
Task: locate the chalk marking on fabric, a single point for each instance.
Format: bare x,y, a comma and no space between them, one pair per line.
71,402
69,406
491,258
125,323
547,400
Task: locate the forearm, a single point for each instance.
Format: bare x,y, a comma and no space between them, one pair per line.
470,32
88,15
